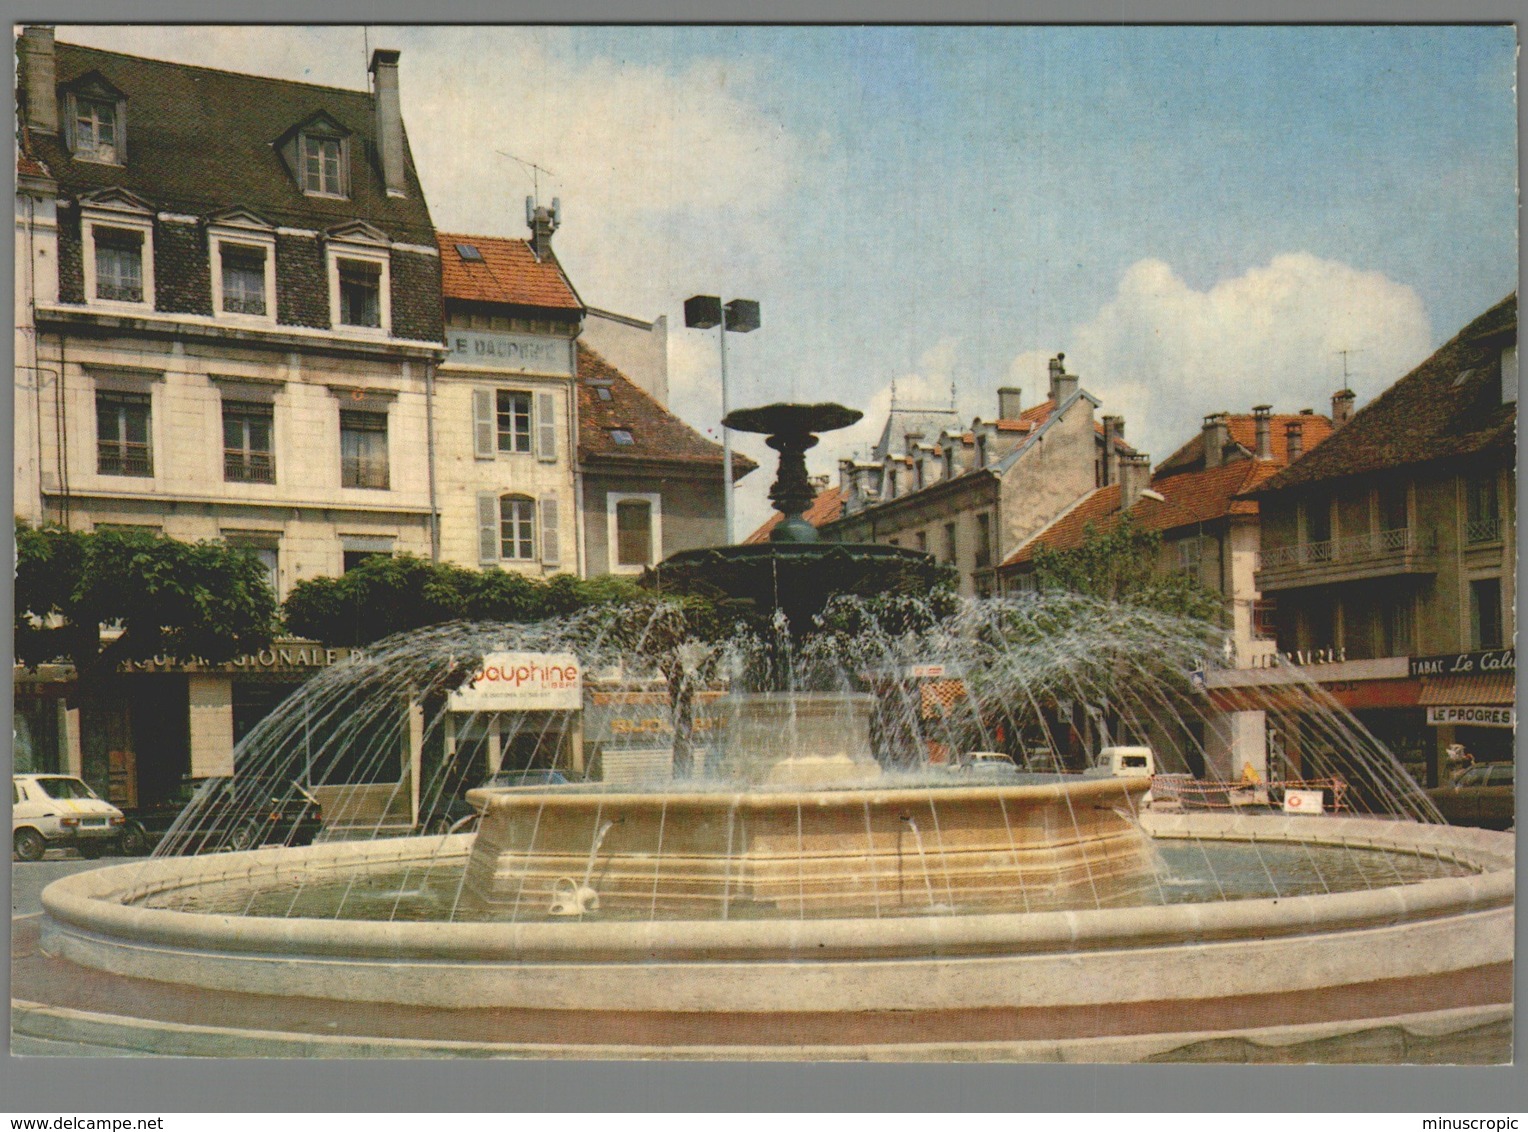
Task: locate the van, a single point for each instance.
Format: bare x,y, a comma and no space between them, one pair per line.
1127,762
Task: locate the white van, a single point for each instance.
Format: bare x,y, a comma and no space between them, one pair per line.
1129,762
61,811
1124,762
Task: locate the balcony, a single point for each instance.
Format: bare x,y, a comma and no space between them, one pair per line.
1477,531
1375,554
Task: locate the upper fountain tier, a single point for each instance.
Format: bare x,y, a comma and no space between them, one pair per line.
796,572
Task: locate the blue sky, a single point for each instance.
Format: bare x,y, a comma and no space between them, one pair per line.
1201,218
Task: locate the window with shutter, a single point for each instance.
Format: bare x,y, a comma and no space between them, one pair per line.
488,527
483,424
546,427
551,553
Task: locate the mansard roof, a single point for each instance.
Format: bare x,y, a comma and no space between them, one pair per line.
200,140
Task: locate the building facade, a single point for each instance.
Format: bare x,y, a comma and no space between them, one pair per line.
970,496
505,418
1210,533
228,318
1390,557
650,484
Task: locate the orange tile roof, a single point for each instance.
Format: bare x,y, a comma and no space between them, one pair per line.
1243,431
828,506
510,273
657,435
1193,497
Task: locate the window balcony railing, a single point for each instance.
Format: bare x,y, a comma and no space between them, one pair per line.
1354,548
363,472
125,460
1482,530
244,467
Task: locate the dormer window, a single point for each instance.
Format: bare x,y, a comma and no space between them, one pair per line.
95,130
117,234
95,118
243,249
322,161
119,265
359,278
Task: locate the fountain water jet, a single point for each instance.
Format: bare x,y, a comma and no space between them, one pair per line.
837,903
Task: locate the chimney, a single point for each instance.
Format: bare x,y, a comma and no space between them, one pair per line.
1062,384
1294,439
39,84
543,222
1114,429
1216,433
1262,420
1008,398
1134,478
1342,407
384,94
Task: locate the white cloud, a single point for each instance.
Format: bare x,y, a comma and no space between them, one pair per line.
1164,354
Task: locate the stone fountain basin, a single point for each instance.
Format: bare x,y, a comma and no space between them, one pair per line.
1446,943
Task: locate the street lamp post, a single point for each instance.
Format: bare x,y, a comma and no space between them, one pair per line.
702,312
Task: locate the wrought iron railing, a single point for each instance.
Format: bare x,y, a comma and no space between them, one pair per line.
248,467
1482,530
1353,548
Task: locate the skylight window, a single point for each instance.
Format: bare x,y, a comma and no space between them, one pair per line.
469,253
602,392
622,437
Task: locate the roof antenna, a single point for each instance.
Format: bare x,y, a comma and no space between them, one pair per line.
535,173
952,396
1346,384
893,393
366,53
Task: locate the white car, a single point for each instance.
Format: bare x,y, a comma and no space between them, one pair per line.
59,810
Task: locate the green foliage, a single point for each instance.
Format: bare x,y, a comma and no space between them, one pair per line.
199,600
386,595
1123,564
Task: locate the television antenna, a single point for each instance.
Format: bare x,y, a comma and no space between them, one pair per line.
1346,384
534,171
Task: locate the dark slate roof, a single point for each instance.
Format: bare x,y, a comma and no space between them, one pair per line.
509,273
200,140
1448,407
658,436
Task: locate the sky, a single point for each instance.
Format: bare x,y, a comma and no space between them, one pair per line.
1200,218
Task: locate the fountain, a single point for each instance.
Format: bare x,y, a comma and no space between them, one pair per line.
814,884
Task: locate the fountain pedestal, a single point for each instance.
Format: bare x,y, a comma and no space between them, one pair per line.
827,852
799,739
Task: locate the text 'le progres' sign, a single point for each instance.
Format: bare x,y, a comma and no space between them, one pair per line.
522,681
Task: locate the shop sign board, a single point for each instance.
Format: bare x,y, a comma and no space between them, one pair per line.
532,352
522,681
1465,663
1472,716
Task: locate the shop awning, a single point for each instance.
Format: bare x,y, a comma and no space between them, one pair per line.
1487,688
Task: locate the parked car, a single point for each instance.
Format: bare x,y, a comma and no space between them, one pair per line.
226,812
1481,795
986,765
61,811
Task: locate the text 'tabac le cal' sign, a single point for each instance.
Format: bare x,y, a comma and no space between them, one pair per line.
522,681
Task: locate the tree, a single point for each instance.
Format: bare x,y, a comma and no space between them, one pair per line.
204,600
392,594
1122,564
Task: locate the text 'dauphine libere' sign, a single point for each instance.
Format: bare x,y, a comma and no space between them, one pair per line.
522,681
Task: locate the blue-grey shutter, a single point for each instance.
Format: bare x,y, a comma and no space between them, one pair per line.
488,528
483,424
546,427
551,551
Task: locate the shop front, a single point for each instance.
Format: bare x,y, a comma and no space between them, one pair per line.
1470,701
519,712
